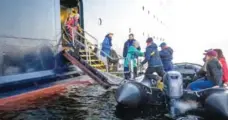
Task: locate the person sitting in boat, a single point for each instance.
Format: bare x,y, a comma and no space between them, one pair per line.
213,73
166,55
202,72
128,44
153,59
132,54
223,63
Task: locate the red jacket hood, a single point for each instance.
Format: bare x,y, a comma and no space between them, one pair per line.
225,69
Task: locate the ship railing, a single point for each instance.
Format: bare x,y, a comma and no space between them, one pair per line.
89,48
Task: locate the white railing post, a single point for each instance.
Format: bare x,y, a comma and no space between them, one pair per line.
89,55
73,35
86,49
132,69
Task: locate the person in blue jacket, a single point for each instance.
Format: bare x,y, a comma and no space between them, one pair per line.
153,59
107,45
166,55
106,48
127,45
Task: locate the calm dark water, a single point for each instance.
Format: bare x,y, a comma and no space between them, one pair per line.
90,103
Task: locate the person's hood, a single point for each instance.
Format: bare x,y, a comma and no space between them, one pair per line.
222,60
153,45
169,49
107,36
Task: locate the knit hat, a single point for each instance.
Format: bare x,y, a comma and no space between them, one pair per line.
149,40
162,44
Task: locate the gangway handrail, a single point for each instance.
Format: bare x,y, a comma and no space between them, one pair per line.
96,41
86,47
98,48
87,42
77,60
90,35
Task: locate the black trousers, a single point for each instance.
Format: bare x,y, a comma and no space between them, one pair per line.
128,75
150,70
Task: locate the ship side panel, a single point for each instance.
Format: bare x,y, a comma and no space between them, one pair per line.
29,33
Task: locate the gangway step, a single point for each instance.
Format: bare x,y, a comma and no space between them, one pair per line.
85,67
84,51
84,56
94,60
97,65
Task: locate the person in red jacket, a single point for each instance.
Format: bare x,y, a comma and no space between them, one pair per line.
71,23
222,61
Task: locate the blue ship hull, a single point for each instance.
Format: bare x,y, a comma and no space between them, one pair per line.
30,46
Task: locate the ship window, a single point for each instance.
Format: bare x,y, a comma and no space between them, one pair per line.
143,8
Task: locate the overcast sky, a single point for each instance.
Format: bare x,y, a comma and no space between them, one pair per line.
196,25
191,25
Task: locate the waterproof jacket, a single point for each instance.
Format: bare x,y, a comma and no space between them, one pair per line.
214,71
224,69
127,44
152,56
132,55
106,46
166,58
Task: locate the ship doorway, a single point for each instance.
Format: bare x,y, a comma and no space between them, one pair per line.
70,9
66,9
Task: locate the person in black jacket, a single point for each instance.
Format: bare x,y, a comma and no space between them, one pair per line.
127,44
213,73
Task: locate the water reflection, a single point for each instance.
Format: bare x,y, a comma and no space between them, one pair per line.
91,103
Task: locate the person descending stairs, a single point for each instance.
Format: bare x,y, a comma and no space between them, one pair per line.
87,50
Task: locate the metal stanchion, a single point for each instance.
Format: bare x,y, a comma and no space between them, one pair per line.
132,69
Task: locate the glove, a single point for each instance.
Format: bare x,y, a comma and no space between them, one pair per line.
152,53
160,85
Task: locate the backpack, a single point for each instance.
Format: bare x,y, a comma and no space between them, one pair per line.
115,57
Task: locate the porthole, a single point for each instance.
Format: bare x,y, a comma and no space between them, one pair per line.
129,30
99,21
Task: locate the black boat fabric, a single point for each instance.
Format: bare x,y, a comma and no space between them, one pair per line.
218,103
